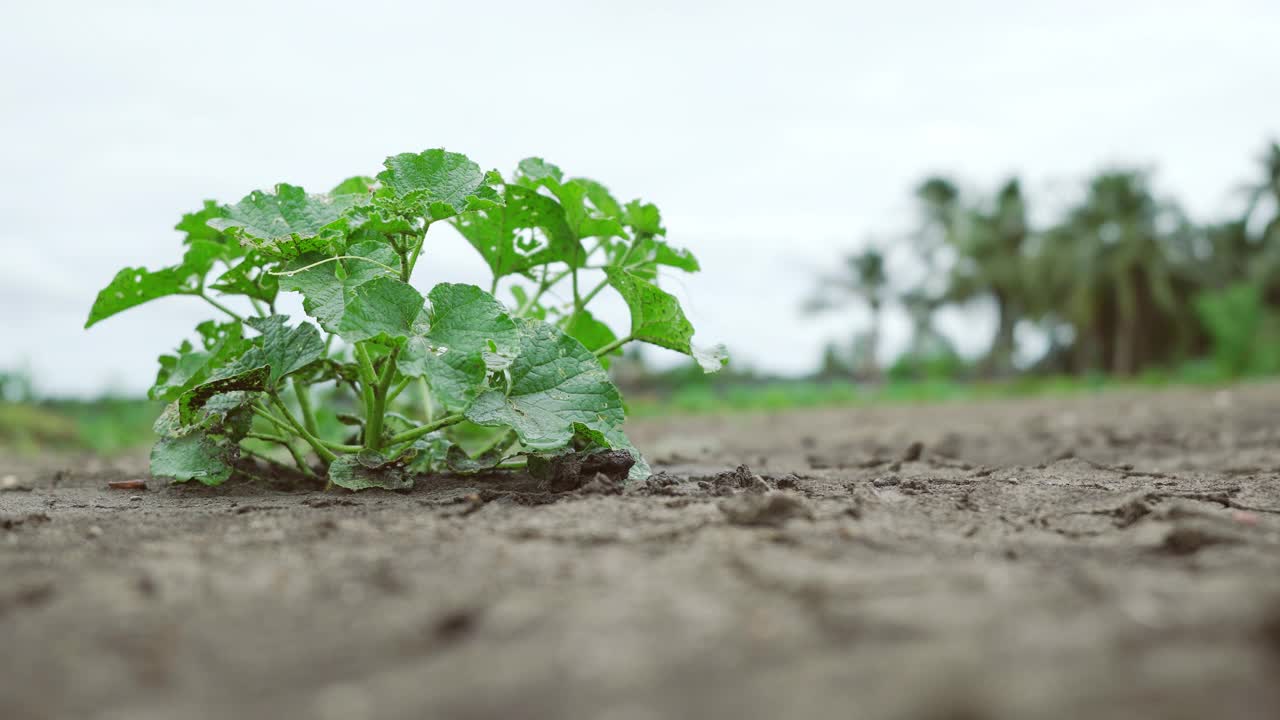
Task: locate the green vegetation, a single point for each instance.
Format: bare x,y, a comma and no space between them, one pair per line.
1121,283
387,383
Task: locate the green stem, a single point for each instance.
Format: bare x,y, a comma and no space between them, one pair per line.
595,291
262,412
417,250
365,363
373,423
303,394
427,410
283,426
368,380
298,459
321,451
295,271
257,307
399,388
414,434
278,439
577,299
613,346
302,465
220,306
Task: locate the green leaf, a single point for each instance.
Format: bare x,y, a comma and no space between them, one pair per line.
287,223
134,286
466,324
527,231
195,226
221,343
458,460
601,198
445,184
206,445
644,218
249,277
357,299
555,384
589,209
370,469
358,185
656,316
194,400
196,456
680,258
589,331
283,349
532,170
432,454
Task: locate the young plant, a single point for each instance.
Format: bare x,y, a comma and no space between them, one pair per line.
387,384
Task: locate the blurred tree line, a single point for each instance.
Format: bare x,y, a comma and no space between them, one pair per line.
1121,282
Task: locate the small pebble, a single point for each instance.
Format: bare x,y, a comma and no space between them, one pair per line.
95,531
136,498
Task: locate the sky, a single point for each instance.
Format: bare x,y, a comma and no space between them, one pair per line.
774,136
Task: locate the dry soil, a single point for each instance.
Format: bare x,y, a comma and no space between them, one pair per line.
1112,556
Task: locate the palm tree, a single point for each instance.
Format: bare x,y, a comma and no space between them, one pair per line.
1261,247
1119,258
989,245
862,280
927,343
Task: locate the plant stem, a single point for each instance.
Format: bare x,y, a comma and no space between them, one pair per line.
373,423
595,291
302,465
577,299
278,439
414,434
262,412
303,394
295,271
417,250
613,346
257,307
399,388
427,411
220,306
368,380
321,451
298,459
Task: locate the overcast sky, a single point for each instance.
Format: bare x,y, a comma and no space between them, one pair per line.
773,135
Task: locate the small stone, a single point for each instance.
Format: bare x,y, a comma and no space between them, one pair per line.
95,531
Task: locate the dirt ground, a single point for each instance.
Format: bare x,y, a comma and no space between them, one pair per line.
1112,556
